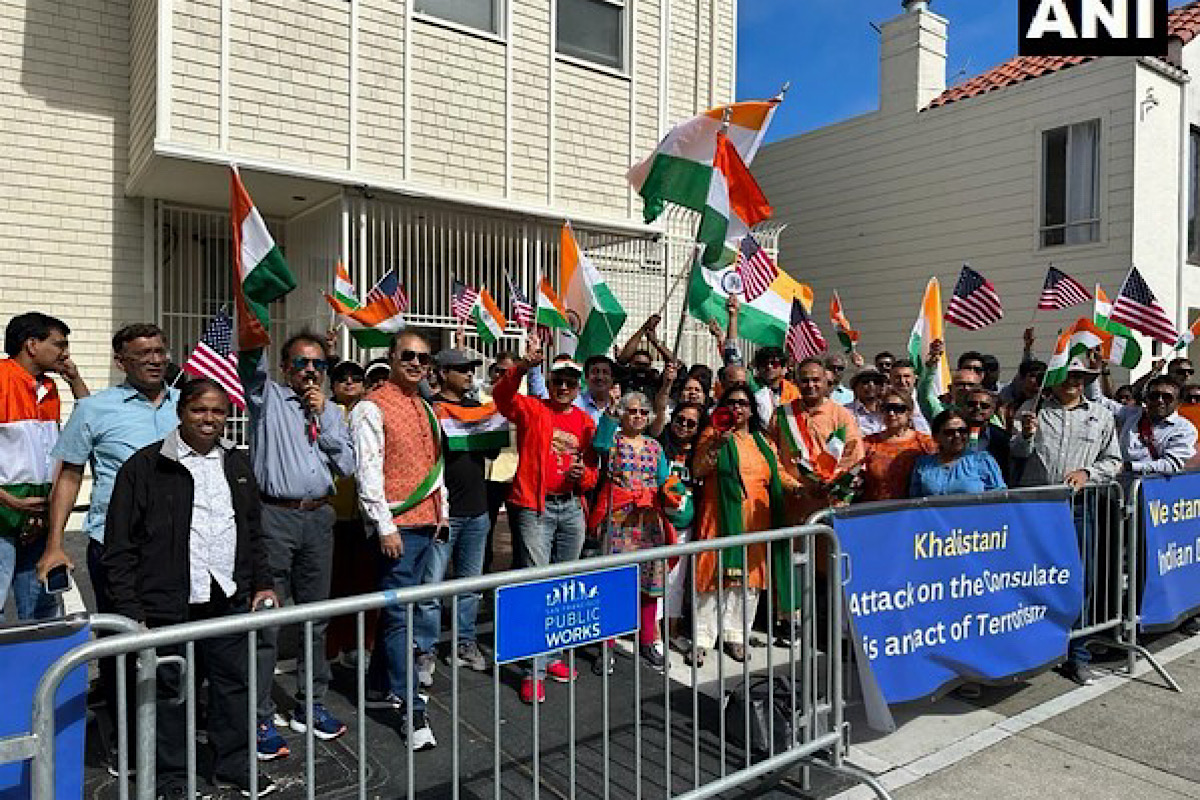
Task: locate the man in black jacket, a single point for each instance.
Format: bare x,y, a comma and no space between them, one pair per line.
184,542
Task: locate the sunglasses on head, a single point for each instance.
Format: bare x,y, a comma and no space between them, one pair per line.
951,433
319,364
424,359
895,408
686,422
1162,397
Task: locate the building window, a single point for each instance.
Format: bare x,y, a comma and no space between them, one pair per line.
481,14
1071,184
1193,231
593,30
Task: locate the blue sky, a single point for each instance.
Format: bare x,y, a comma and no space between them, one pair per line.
830,53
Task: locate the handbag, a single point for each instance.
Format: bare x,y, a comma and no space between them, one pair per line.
768,699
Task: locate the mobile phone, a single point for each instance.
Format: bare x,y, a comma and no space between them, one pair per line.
58,580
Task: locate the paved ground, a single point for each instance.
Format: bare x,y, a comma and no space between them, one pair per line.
1043,738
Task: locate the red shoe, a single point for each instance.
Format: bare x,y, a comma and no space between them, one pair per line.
527,691
559,672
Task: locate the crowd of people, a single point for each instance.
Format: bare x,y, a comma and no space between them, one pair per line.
350,485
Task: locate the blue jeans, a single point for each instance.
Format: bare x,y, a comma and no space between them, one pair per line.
389,659
466,544
550,538
18,574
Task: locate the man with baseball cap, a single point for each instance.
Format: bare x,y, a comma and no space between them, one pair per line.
868,386
556,465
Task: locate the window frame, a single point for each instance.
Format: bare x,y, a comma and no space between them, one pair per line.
626,26
1099,205
499,9
1193,196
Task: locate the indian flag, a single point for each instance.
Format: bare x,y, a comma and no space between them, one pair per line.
343,289
489,322
847,334
550,311
734,205
1126,352
595,314
371,325
810,458
926,329
260,275
474,429
763,320
680,168
1188,336
1075,342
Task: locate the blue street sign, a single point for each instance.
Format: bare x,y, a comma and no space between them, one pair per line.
541,617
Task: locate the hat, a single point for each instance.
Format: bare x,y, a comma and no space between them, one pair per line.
863,375
378,366
1077,364
457,357
566,365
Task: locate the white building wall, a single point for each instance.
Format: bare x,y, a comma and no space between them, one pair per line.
876,205
72,240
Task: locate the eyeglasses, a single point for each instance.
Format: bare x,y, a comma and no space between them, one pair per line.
687,423
837,368
736,403
953,433
570,383
1192,398
895,408
1162,397
878,380
147,356
350,378
465,368
319,364
1184,371
638,412
978,405
964,385
424,359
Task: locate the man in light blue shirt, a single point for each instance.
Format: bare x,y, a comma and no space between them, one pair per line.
104,430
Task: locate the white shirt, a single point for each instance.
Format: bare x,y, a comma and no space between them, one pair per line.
366,431
212,543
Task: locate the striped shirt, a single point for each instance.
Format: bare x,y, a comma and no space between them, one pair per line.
1068,439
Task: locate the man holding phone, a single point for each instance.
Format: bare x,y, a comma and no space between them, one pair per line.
36,345
398,449
556,465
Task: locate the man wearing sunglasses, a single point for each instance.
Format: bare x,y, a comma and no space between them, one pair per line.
299,445
1154,440
835,368
978,409
868,387
772,388
555,466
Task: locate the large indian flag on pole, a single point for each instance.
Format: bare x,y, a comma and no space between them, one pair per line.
1075,342
473,429
926,329
680,168
734,205
1128,353
763,320
260,275
592,309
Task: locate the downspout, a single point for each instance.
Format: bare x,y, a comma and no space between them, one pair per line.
1184,171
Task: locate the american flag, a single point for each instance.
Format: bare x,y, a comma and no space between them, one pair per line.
803,338
522,311
213,357
1136,307
462,299
1061,291
974,304
755,268
389,287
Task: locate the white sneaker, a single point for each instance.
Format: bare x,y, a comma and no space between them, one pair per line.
422,734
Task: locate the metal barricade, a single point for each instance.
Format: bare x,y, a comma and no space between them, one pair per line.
679,740
1109,557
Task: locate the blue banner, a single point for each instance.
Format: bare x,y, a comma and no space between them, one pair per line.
939,594
1171,543
544,616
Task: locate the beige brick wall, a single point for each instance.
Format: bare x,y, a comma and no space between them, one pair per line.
380,85
457,97
195,74
143,82
289,81
72,241
531,78
591,141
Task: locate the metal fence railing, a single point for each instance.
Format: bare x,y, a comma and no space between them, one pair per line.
686,750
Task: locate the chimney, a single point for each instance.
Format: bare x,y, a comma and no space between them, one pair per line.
912,62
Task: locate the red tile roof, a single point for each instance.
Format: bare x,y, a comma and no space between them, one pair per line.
1183,23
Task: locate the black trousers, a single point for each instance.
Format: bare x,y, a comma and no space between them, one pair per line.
222,660
108,666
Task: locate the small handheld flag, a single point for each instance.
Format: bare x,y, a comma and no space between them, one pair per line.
489,322
522,311
755,268
803,338
1061,291
213,357
375,322
1137,307
974,304
847,334
550,311
462,300
343,288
